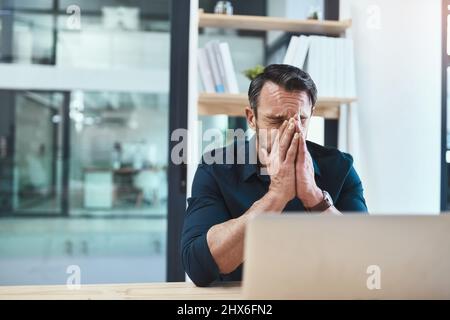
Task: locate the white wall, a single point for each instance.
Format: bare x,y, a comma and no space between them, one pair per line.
399,90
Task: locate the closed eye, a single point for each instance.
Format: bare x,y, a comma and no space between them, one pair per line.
276,120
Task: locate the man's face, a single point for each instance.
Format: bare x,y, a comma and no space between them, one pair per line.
275,106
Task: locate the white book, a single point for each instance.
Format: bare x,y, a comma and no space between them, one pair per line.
319,65
349,77
351,81
290,52
333,67
213,63
340,67
336,81
205,71
308,66
220,64
230,73
312,66
301,52
345,76
324,66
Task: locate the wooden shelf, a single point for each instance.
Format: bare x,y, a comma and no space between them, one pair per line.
234,105
262,23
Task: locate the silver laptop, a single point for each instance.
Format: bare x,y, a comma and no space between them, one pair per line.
298,256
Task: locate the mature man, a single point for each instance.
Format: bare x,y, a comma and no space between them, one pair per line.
291,174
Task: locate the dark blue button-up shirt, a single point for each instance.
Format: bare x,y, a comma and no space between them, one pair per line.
221,192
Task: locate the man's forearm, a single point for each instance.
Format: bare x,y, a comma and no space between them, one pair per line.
226,240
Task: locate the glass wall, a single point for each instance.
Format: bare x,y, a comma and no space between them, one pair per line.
118,143
37,152
96,34
83,167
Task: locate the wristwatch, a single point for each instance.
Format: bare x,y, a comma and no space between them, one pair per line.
323,205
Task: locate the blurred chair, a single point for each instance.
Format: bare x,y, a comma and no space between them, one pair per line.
147,182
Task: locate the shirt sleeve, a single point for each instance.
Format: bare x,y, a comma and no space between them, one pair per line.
351,198
206,208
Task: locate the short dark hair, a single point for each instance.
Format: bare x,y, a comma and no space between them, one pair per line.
290,78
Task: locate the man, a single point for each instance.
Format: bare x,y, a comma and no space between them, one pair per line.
291,174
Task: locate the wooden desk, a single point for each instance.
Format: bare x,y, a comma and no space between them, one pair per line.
155,291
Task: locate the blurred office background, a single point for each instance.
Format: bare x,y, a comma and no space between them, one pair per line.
84,180
86,108
84,134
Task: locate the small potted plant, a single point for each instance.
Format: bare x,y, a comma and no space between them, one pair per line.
253,72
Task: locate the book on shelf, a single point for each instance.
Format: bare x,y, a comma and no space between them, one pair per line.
290,52
231,84
329,61
297,51
216,68
214,65
205,71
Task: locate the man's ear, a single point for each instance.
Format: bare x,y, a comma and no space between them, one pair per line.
251,118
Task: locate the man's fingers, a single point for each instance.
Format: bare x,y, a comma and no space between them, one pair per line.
292,151
282,129
276,142
287,138
302,150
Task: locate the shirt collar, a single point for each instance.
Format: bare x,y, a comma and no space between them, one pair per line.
250,168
